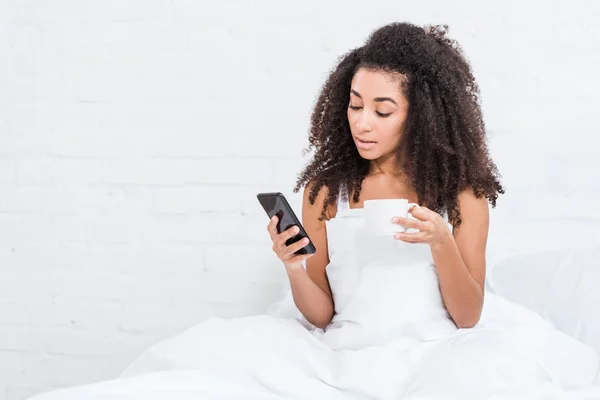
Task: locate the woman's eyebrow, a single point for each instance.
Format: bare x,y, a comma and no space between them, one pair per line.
379,99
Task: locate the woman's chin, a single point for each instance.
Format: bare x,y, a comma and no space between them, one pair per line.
368,154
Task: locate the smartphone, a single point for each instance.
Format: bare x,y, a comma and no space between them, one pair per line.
276,204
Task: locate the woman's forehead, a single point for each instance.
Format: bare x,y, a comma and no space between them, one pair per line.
376,83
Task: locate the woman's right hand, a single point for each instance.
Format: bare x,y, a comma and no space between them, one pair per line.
286,253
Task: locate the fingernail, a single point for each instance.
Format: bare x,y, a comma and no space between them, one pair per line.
305,240
296,229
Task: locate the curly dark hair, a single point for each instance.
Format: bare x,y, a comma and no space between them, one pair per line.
443,148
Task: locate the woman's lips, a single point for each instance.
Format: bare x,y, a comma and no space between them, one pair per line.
364,144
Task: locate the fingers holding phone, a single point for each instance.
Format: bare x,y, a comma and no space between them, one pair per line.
286,251
286,230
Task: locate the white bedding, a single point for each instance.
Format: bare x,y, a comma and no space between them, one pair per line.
559,284
390,338
589,393
264,357
195,385
512,354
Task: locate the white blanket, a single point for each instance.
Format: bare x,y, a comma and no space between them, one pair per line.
391,338
512,354
264,357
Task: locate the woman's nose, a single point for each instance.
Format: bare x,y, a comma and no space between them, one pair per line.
363,122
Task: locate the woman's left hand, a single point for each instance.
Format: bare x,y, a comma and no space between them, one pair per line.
433,229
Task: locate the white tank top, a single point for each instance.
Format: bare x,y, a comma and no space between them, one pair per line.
382,287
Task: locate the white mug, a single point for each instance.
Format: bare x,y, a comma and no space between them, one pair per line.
379,214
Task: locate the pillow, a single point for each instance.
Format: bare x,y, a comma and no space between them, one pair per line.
561,285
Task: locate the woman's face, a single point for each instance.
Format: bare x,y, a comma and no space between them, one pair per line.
376,112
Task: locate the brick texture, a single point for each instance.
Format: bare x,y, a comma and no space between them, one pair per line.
134,136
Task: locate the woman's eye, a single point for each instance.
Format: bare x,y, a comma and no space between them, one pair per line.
382,115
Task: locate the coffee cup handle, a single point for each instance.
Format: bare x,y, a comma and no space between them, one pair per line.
411,205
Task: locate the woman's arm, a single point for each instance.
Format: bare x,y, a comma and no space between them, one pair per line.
310,286
459,256
460,261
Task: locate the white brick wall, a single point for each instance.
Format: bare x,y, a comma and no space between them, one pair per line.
135,134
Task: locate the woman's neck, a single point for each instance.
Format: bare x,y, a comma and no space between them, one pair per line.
385,166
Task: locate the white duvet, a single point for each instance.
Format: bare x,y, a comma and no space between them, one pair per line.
391,338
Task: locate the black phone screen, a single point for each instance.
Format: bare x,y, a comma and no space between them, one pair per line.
276,204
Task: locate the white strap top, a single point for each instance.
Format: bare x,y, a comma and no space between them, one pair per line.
342,205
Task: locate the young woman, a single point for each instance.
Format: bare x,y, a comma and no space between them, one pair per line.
400,118
390,317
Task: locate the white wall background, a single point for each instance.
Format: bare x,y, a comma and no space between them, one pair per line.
135,134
